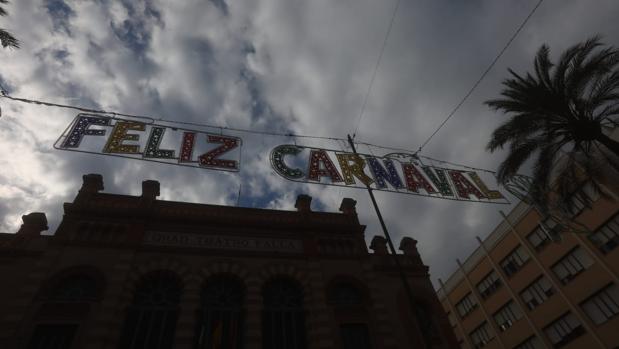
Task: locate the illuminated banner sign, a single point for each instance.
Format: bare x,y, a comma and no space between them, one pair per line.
400,173
98,134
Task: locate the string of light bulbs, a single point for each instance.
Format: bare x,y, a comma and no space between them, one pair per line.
151,119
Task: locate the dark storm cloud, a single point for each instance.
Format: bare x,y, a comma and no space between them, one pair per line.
274,65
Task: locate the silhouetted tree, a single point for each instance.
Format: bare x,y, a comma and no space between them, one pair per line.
560,116
7,39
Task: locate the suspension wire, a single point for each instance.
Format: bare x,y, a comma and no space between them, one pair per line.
369,145
67,106
483,75
152,120
221,128
380,56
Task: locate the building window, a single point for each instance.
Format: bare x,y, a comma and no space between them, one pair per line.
481,336
66,303
345,295
355,336
606,238
220,323
283,318
349,303
151,318
539,238
530,343
563,330
603,305
466,305
578,204
572,264
53,336
582,198
76,288
489,285
537,292
507,315
514,261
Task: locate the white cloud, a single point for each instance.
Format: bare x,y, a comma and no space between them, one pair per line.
307,65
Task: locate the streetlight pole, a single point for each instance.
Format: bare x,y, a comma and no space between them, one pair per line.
423,323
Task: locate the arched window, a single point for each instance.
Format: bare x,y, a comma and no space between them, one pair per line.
220,324
349,303
345,294
75,288
283,318
65,306
151,318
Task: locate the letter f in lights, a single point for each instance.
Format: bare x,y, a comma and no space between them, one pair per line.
80,128
277,160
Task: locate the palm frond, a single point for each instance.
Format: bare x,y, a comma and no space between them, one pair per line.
519,126
8,40
541,175
519,152
558,80
562,107
604,89
608,111
542,66
581,75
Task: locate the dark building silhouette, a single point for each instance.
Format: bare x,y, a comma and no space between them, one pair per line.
136,272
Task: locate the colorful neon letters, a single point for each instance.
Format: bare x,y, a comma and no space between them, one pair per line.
408,177
148,141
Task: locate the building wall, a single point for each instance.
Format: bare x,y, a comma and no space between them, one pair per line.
568,297
104,235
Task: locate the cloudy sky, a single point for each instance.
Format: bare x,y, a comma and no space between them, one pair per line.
273,65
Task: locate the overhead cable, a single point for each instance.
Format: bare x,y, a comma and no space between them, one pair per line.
380,56
152,120
483,75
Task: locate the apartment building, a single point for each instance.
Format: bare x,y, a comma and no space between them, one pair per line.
531,285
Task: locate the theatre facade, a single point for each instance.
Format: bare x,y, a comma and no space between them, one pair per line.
137,272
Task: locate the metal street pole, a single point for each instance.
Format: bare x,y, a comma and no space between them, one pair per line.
423,323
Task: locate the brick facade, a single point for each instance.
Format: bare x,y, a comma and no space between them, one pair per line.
104,236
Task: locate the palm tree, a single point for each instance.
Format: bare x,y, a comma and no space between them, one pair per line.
7,39
560,116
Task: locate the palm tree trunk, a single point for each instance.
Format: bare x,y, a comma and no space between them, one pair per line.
609,143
